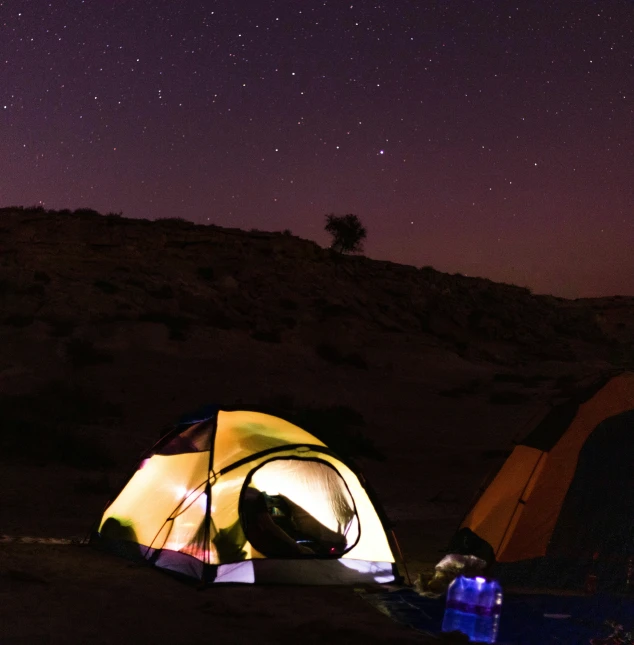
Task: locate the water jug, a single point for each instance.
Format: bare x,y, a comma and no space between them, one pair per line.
473,608
488,612
457,618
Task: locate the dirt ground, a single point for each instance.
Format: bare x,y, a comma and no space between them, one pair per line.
72,594
75,594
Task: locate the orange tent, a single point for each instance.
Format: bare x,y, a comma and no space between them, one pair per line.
565,494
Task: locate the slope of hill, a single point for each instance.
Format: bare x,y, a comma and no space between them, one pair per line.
111,328
70,269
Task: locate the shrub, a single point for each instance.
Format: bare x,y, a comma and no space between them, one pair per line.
19,320
470,387
173,220
462,346
288,304
106,287
220,319
566,381
163,293
82,353
526,380
34,209
133,282
330,353
505,377
508,397
334,355
333,309
35,289
177,325
205,273
267,336
356,360
44,426
60,327
347,233
42,276
86,212
289,322
9,210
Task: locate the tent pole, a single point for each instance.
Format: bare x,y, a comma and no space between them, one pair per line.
208,487
400,555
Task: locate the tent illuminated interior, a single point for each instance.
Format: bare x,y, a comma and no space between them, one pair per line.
243,496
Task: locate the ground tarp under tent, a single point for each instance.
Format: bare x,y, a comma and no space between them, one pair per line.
562,505
241,496
526,619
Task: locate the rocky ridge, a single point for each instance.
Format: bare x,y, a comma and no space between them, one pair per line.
68,269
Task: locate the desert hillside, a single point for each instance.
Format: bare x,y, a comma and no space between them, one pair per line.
72,269
113,327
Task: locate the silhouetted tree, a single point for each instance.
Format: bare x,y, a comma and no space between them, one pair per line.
347,233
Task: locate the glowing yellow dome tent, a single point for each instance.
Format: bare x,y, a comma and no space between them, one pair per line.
244,496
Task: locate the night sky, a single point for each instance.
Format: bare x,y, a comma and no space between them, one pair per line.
484,137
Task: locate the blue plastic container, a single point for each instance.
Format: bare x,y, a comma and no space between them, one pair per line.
457,618
473,608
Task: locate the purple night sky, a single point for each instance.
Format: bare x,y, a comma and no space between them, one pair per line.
485,137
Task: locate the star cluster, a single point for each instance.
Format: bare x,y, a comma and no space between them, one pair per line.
491,138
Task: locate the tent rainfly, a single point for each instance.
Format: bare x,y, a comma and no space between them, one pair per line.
242,496
562,505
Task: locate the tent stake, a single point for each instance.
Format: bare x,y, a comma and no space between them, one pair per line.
400,555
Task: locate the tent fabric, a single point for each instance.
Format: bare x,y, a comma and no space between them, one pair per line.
184,508
561,503
552,427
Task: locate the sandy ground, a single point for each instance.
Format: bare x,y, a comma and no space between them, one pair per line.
72,594
75,594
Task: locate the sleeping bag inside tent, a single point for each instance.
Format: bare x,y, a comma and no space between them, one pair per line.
243,496
562,505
